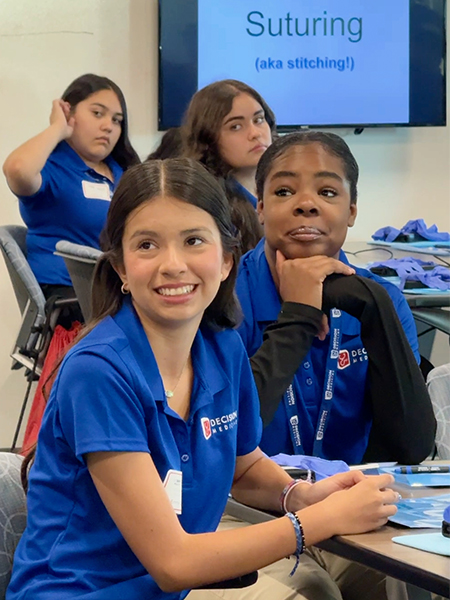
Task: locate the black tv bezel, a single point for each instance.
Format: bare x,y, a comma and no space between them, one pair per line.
358,127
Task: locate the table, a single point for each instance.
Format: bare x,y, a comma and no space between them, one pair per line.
425,570
361,253
372,252
430,311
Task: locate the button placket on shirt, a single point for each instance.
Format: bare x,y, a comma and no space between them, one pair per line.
100,178
308,380
184,448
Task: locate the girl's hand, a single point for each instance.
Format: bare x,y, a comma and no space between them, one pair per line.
362,507
61,119
305,495
301,279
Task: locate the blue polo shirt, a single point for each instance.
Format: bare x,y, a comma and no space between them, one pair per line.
348,426
71,204
109,396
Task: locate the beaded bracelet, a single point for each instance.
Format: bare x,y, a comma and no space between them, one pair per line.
287,490
300,538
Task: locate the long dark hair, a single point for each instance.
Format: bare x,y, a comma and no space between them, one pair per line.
86,85
186,180
201,129
331,142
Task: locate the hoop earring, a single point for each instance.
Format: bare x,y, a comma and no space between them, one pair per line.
124,290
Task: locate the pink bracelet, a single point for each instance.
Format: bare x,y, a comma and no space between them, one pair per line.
287,490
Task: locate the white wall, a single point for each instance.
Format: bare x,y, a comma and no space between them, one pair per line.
45,44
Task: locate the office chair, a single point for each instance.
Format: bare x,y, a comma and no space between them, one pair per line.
438,384
429,320
39,316
29,295
435,318
13,515
80,262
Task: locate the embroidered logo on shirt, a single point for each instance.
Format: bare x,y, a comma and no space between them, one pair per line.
359,355
206,426
218,424
344,359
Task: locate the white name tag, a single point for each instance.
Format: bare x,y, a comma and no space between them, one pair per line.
97,191
173,484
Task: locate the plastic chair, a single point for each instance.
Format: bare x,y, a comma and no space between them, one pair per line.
13,515
80,262
438,384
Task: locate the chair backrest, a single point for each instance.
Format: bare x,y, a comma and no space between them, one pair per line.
13,514
27,290
14,250
438,383
80,262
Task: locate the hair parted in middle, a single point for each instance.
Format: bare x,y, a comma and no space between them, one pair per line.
188,181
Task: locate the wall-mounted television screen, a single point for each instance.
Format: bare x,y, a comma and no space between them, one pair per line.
318,63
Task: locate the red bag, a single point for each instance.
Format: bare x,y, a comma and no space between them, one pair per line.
59,342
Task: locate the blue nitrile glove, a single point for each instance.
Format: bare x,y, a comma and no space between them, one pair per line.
411,269
389,234
321,467
429,233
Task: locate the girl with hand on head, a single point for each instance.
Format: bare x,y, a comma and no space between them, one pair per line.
64,177
228,126
136,457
